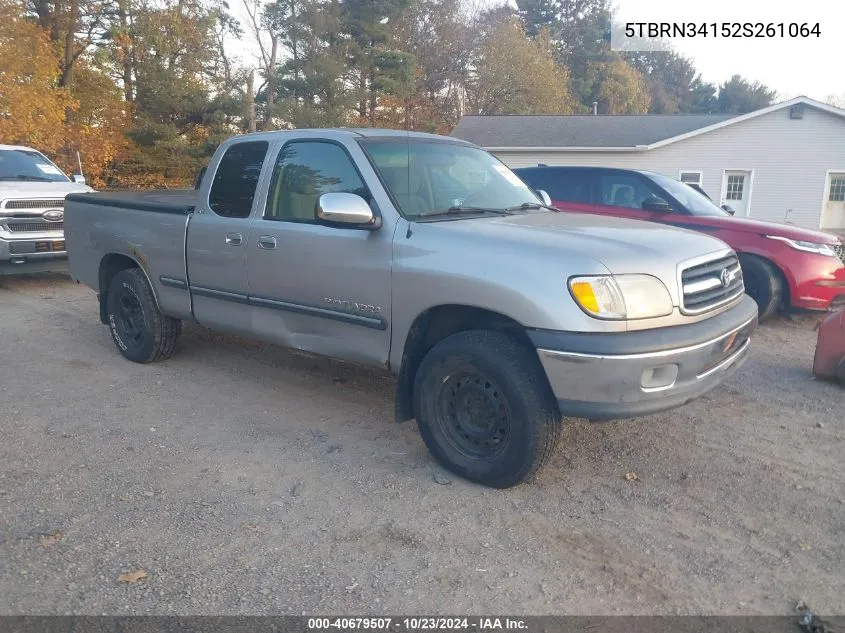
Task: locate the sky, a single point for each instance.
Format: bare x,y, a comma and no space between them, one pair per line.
802,66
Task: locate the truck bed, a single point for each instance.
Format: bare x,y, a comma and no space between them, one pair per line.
178,201
148,227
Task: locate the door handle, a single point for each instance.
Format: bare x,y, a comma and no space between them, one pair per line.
234,239
267,242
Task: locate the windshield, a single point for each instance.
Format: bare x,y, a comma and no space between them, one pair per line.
694,202
28,165
425,177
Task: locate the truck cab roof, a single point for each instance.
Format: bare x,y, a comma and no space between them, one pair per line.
345,132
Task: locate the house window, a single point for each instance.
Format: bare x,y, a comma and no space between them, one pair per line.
736,183
692,177
837,189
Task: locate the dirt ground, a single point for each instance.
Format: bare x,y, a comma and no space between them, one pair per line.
242,479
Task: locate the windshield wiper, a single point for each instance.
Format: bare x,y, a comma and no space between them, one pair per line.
26,177
531,205
461,210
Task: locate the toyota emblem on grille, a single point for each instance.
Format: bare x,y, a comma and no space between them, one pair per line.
53,215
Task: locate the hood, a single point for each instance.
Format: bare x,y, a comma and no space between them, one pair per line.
620,245
15,189
779,229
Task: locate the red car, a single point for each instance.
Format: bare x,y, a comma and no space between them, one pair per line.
784,266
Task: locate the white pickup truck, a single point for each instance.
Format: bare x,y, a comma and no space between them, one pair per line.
32,201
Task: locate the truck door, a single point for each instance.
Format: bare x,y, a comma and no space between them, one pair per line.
318,288
218,235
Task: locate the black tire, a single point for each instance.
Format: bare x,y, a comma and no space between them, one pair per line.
140,331
485,409
763,283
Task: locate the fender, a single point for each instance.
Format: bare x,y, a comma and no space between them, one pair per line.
108,271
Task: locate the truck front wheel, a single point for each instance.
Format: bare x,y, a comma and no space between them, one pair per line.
139,329
485,409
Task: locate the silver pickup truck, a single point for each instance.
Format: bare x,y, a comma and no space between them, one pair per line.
425,256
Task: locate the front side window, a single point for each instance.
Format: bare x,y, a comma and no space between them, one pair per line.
624,190
304,171
425,177
28,165
234,184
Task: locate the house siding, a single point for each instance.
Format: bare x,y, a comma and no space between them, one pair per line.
790,159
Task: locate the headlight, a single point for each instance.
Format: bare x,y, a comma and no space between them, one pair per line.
807,247
621,296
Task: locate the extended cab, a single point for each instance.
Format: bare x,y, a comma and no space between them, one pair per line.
425,256
32,200
784,266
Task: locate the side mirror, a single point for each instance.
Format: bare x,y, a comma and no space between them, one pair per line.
200,175
544,197
656,204
346,208
728,208
78,179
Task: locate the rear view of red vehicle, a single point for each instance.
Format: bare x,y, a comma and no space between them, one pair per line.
785,267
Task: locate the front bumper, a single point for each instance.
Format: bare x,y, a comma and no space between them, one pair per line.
629,374
819,286
25,256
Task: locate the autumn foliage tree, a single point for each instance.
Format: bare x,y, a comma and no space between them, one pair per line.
98,127
144,90
619,88
32,104
516,75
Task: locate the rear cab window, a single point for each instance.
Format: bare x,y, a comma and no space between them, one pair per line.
236,179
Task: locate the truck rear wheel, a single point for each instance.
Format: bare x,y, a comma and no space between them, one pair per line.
762,283
485,409
140,331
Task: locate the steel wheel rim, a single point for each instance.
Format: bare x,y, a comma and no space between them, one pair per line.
473,415
131,317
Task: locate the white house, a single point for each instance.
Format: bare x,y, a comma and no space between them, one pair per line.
784,163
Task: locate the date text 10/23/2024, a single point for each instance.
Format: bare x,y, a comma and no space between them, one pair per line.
416,624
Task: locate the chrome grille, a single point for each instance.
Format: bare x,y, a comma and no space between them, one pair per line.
55,203
33,226
840,250
704,287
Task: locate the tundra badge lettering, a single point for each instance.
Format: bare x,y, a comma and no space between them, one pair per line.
353,305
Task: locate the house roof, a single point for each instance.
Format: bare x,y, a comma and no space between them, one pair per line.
603,130
626,132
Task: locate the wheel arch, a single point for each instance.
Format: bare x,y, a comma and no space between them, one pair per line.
110,265
787,281
432,326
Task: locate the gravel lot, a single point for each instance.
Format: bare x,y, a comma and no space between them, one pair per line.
243,479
